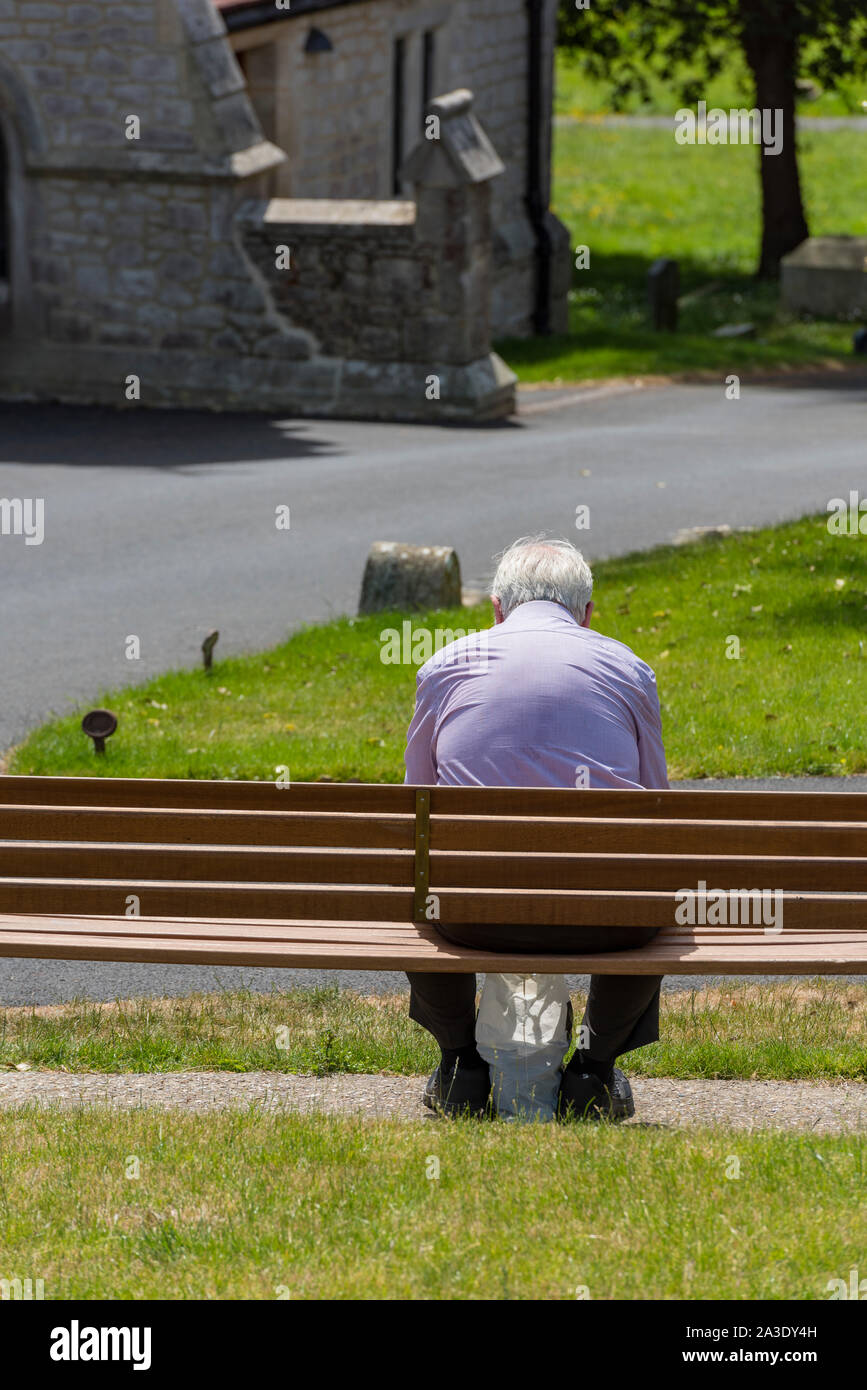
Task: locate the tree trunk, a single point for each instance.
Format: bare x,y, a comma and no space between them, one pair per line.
772,57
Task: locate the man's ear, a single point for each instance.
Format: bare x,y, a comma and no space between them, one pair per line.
498,610
585,621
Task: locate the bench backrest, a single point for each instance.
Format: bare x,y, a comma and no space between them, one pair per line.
356,852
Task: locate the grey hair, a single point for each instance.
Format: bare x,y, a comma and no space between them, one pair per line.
536,567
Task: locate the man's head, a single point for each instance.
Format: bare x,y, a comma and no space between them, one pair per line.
535,567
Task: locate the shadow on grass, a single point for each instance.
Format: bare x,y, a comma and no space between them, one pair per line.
610,330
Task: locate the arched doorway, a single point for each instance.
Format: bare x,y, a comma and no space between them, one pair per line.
5,248
22,141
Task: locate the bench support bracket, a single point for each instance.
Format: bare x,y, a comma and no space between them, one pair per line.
422,855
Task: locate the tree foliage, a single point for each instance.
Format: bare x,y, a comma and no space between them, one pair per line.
625,41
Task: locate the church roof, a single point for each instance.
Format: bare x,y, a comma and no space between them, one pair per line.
245,14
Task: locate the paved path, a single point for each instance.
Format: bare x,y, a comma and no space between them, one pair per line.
805,1106
804,124
162,524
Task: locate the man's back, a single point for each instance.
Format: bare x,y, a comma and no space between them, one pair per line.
537,701
534,701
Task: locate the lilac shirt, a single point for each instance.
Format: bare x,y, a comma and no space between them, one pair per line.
529,702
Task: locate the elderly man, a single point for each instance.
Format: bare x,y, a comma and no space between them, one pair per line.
543,697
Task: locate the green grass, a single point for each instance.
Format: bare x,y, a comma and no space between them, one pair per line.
324,705
308,1031
634,195
813,1030
259,1206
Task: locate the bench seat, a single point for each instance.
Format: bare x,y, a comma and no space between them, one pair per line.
398,946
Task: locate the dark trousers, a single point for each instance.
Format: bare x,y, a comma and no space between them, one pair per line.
622,1010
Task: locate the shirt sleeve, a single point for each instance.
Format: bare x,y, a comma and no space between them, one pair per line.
419,756
653,772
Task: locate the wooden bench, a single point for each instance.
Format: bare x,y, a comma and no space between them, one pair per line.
346,875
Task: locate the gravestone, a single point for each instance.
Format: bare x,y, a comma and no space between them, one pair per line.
663,291
409,577
735,330
826,276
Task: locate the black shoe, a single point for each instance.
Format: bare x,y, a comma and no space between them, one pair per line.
465,1091
583,1096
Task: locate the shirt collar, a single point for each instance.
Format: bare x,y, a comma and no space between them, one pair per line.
538,612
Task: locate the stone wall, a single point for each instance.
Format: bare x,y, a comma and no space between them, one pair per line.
357,277
371,281
153,265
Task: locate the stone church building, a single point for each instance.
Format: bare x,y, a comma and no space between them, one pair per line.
312,206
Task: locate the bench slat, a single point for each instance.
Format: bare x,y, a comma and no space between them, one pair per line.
241,828
212,863
261,865
228,929
159,898
453,801
626,837
195,794
644,871
597,907
589,907
685,805
362,933
618,835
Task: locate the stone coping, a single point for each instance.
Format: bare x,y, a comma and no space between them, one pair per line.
173,166
342,212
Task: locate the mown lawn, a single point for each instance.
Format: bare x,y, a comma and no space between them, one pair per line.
808,1030
324,704
259,1206
632,195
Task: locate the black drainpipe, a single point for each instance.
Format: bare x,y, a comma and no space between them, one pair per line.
536,197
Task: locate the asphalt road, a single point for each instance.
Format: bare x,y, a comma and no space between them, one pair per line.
162,525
